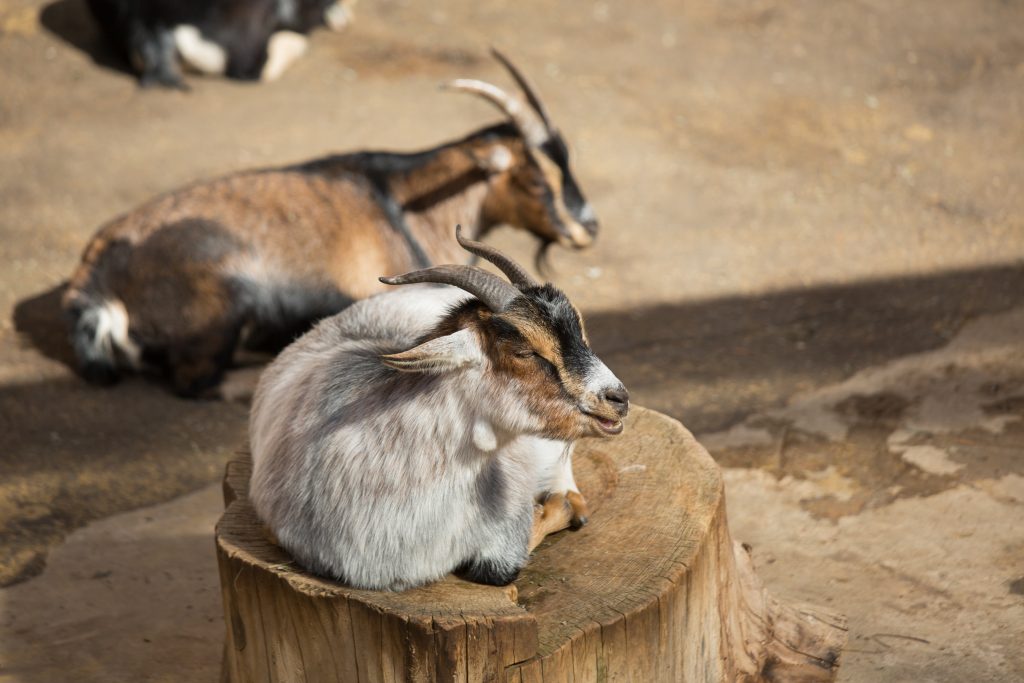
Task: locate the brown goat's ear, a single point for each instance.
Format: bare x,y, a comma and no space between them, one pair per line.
443,354
494,159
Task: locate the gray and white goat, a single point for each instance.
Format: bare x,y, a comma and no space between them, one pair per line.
410,435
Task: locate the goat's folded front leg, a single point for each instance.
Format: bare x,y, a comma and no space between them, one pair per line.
554,514
557,477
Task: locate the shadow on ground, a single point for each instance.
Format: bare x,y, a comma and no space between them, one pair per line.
71,21
40,322
711,363
71,453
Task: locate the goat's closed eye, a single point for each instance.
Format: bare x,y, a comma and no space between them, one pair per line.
548,366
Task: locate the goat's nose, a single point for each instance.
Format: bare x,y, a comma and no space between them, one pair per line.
618,398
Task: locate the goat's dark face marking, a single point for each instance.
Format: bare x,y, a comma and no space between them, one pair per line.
543,197
572,197
540,343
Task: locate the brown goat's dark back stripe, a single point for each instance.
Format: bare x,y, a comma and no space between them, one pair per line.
453,187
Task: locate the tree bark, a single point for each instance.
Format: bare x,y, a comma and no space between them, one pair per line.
652,590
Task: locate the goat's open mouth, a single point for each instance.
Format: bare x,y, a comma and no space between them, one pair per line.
610,427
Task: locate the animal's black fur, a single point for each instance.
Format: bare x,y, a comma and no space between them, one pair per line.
487,572
556,150
141,30
373,162
552,306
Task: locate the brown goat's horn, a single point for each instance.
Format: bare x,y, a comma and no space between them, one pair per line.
516,273
530,126
524,85
487,287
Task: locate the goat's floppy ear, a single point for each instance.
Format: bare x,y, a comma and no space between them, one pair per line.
443,354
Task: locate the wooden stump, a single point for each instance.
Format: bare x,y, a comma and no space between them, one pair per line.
652,590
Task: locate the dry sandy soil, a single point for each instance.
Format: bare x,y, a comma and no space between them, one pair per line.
811,254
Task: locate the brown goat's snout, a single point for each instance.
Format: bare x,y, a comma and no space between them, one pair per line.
617,398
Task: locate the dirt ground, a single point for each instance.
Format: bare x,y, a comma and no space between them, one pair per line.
812,253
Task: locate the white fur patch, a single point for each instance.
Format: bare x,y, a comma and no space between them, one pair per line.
499,160
554,465
484,437
205,56
599,378
112,333
587,213
283,48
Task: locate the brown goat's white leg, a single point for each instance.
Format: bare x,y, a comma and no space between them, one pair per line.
554,514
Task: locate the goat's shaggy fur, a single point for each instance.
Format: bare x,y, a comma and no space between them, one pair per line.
387,479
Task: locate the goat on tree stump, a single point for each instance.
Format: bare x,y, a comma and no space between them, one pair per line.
652,590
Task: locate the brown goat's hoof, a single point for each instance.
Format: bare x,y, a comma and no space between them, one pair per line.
580,510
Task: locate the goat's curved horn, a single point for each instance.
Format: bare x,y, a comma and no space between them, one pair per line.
526,120
524,85
516,273
487,287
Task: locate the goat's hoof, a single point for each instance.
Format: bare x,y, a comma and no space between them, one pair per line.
511,592
580,510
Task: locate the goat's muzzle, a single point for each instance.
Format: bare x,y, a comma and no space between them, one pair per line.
577,235
612,407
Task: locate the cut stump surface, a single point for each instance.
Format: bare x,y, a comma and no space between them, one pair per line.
653,589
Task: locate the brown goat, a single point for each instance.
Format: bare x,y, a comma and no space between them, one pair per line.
261,255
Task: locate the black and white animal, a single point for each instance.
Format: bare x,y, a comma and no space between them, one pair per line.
410,435
243,39
263,254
